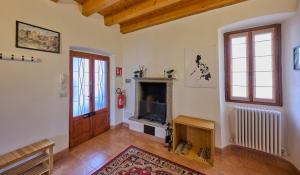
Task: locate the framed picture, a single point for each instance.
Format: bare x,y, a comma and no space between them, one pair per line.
200,69
297,58
37,38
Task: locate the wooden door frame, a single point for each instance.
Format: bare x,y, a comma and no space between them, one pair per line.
92,57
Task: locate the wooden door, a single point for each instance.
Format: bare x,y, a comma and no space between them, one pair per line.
89,96
101,95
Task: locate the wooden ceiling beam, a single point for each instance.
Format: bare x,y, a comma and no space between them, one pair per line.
92,6
80,1
189,8
137,10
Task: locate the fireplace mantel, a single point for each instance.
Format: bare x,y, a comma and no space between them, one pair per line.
154,79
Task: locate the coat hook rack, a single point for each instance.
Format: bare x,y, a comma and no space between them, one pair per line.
13,57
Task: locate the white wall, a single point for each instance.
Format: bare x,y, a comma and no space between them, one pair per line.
291,84
30,106
162,47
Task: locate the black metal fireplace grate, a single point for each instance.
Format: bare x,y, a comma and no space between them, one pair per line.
153,111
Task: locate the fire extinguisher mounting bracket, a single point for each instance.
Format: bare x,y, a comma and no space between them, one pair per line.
119,91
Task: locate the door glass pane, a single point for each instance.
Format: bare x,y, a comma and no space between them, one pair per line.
100,84
81,88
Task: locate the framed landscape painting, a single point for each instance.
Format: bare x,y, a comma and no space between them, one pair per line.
37,38
297,58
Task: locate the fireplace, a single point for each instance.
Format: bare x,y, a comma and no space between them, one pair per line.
153,100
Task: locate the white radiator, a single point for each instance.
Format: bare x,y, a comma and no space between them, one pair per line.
258,129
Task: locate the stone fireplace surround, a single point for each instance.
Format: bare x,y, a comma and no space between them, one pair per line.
139,124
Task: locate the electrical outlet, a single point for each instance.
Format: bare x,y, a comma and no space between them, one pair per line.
127,80
63,94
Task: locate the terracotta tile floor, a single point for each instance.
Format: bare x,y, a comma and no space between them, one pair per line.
93,154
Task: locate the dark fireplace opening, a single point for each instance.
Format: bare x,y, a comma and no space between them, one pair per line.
152,103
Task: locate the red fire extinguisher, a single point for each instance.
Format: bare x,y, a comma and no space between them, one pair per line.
121,98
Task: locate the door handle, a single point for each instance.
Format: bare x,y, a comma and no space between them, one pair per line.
86,115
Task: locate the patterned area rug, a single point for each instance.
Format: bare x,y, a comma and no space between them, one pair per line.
135,161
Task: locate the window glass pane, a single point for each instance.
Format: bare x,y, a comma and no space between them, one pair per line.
263,37
263,66
264,79
264,92
239,79
239,47
239,91
100,84
239,65
81,91
263,63
239,51
263,48
239,40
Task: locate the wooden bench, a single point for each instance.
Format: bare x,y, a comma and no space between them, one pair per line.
34,159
